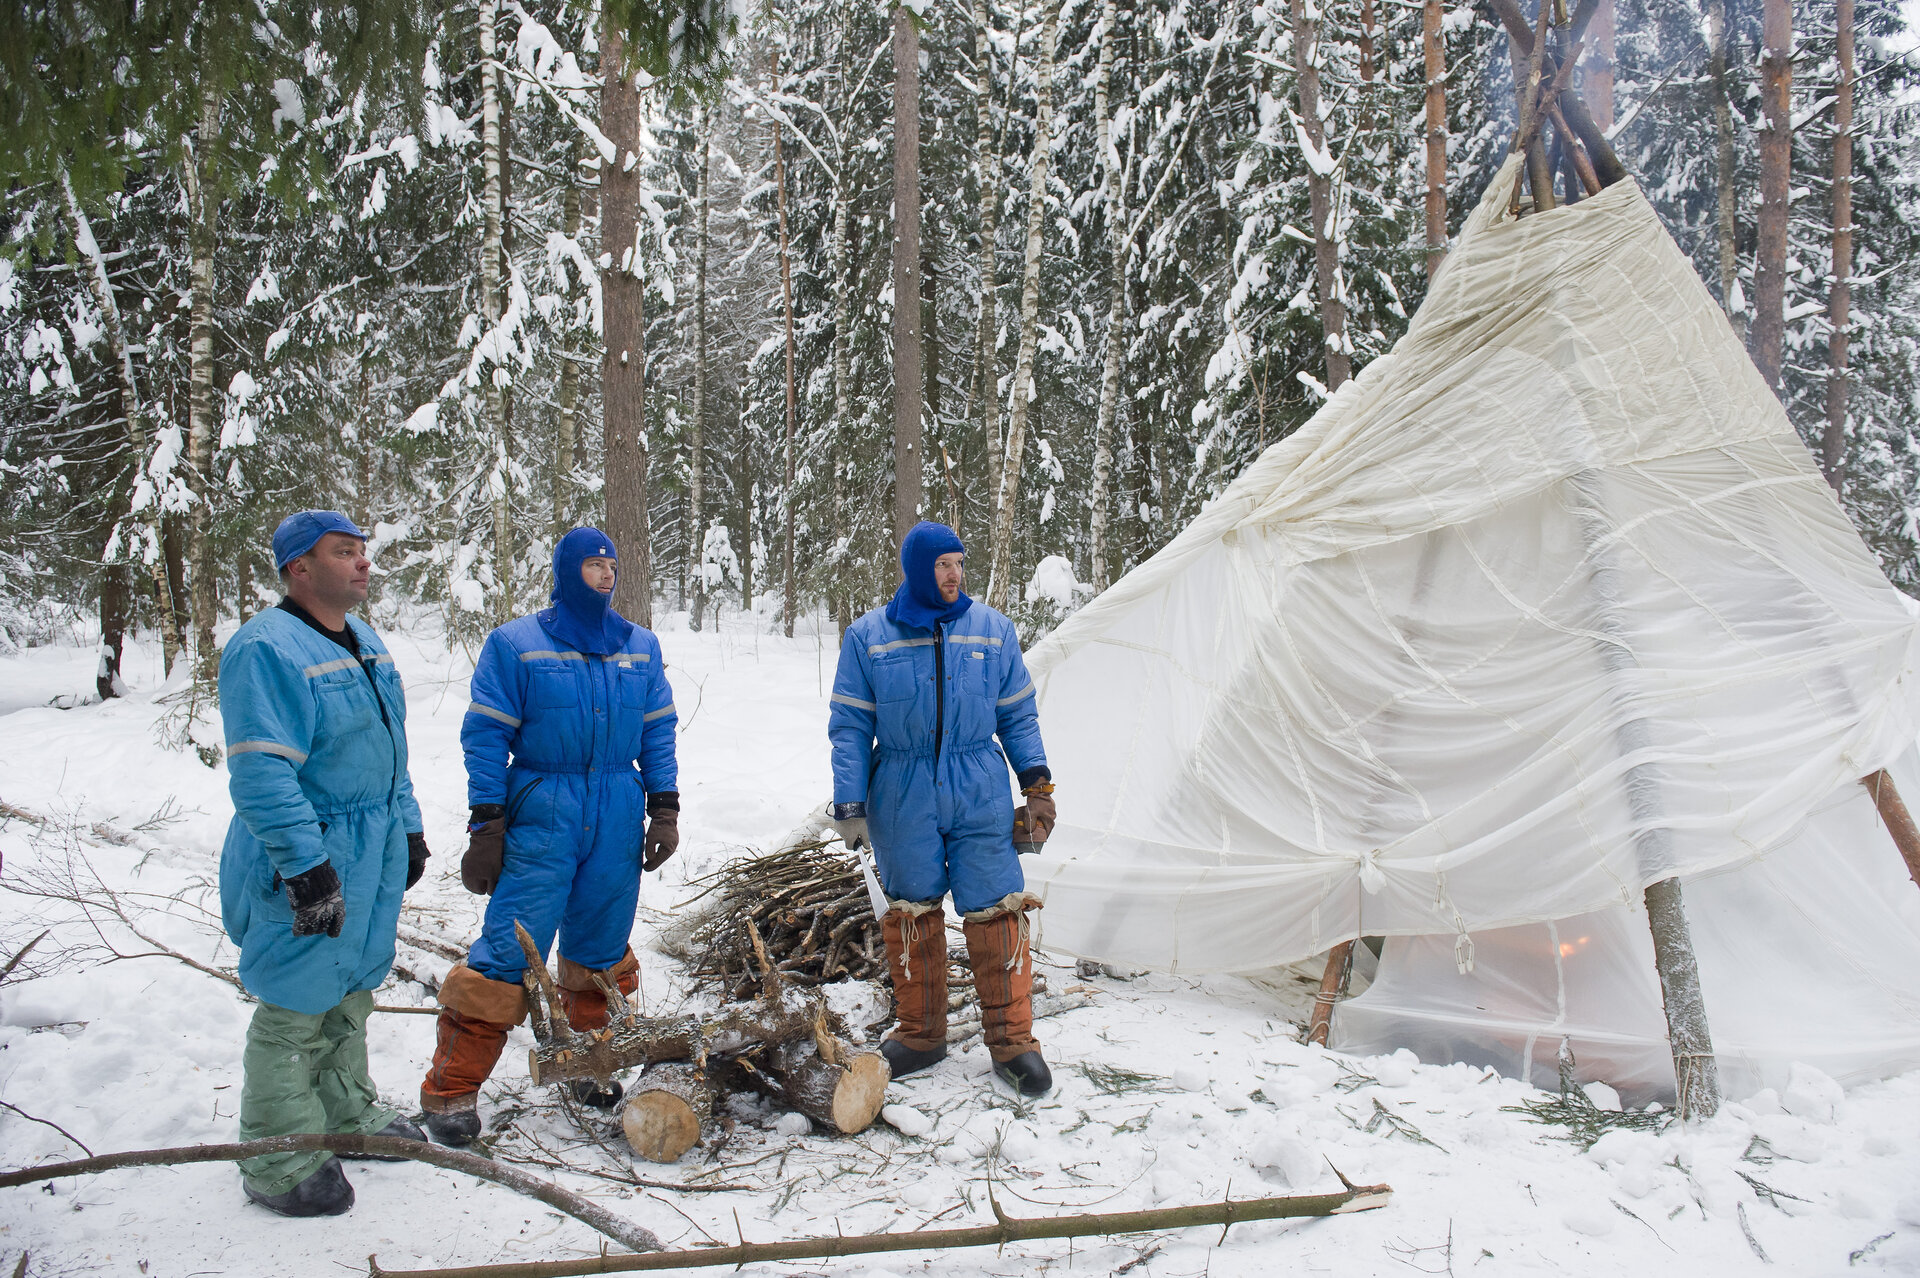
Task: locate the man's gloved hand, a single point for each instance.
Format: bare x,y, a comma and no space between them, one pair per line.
663,837
317,904
850,819
486,848
417,855
1034,821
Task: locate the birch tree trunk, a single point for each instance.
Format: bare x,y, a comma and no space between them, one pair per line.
623,365
1723,160
696,445
565,431
907,389
982,395
1596,69
493,198
1833,442
1000,578
1776,159
1326,254
133,411
1435,48
1114,197
787,586
201,239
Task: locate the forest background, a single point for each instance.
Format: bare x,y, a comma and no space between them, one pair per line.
477,274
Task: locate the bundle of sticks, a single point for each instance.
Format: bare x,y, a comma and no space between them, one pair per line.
809,904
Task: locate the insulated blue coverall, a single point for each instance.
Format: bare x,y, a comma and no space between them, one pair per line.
913,722
575,725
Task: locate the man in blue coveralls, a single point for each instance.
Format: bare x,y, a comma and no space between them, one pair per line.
325,838
923,687
571,778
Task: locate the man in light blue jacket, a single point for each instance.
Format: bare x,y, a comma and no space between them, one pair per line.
571,779
924,686
325,837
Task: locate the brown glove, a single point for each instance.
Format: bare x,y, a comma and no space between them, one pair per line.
1034,821
663,838
486,849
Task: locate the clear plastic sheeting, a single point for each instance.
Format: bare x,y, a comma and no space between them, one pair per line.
1549,604
1811,954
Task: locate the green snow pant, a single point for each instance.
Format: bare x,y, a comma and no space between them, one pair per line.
306,1074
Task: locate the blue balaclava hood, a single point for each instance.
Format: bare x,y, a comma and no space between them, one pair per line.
918,603
582,617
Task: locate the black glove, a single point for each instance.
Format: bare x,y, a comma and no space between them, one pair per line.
663,829
486,849
417,855
317,904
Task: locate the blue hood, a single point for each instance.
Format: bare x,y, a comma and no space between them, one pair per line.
582,617
917,602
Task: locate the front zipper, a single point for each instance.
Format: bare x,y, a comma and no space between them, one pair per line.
939,690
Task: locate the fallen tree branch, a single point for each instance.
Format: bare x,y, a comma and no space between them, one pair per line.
1008,1229
584,1210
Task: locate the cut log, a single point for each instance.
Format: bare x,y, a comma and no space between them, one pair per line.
640,1040
844,1093
668,1111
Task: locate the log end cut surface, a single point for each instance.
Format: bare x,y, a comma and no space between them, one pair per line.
660,1126
858,1098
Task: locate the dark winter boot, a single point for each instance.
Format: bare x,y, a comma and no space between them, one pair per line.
916,937
399,1129
589,1093
475,1015
1003,985
325,1193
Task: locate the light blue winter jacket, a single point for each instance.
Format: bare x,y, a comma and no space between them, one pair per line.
317,767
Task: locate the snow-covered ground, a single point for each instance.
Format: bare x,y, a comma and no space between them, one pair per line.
1169,1091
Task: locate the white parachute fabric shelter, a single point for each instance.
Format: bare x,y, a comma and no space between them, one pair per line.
1550,603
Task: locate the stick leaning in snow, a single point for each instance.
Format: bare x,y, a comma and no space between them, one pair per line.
1007,1229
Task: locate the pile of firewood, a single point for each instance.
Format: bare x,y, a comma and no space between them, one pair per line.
809,905
786,1044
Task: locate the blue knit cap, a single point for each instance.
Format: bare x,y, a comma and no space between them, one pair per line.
297,534
582,617
917,602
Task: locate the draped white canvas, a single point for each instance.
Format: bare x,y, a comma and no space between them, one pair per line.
1548,604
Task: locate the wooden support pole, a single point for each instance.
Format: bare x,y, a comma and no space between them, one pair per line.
1899,821
1007,1229
1332,982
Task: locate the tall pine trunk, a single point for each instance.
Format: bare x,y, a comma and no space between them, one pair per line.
566,431
121,538
696,440
1113,196
493,197
842,366
1326,254
1833,441
1776,162
1000,577
1433,41
787,584
623,307
907,389
202,204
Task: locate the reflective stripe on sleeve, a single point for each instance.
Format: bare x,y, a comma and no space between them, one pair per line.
552,656
474,707
1021,695
855,702
661,713
328,667
876,648
267,747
